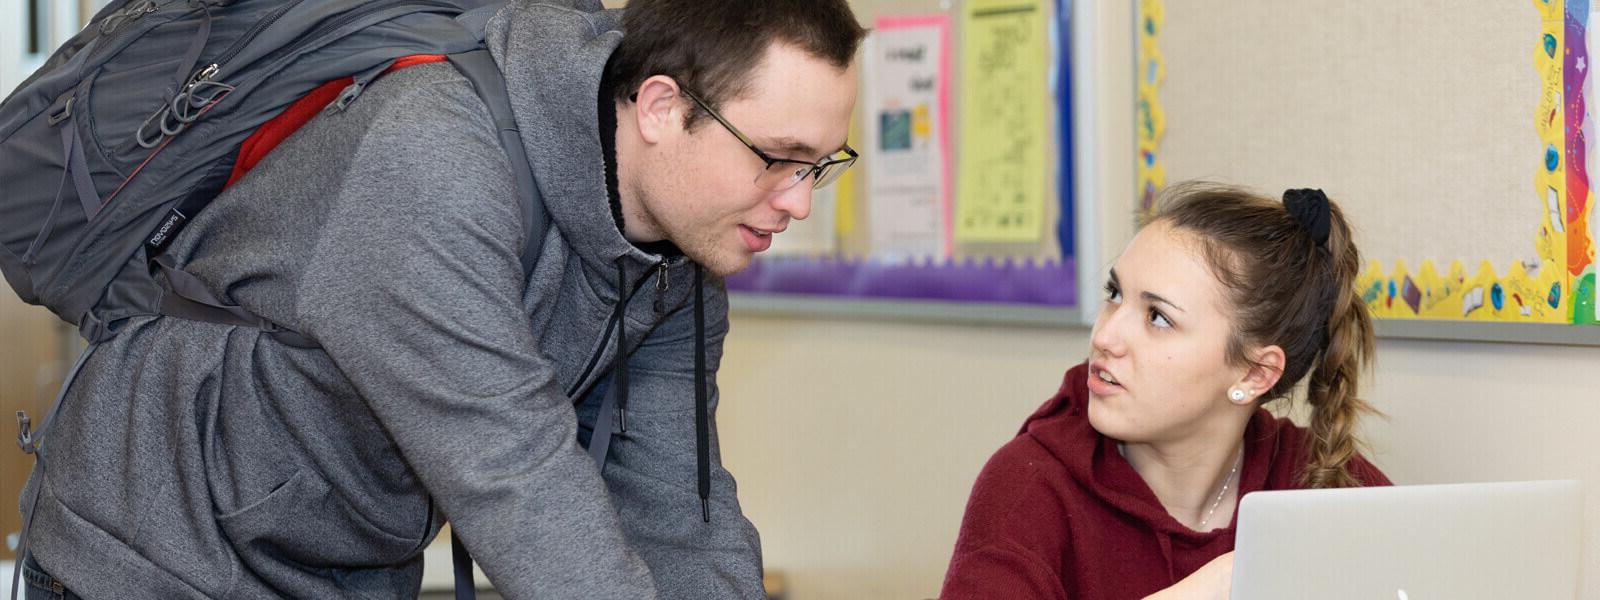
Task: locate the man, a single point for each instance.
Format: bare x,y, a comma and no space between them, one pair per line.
198,460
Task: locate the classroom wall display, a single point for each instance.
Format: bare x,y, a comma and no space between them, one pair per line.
1150,121
962,194
1455,136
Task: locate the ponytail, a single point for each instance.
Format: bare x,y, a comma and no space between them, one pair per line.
1331,391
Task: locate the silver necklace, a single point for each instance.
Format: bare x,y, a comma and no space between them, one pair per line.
1224,491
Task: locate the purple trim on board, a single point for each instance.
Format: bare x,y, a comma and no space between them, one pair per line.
1053,284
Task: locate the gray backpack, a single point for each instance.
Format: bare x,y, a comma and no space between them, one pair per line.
135,125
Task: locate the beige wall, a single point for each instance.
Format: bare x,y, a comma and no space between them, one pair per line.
855,442
32,363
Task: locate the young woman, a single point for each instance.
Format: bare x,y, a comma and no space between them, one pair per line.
1125,484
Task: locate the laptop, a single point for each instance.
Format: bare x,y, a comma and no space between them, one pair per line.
1459,541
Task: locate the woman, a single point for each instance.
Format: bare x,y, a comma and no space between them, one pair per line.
1125,484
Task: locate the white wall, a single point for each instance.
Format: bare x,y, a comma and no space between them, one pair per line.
59,21
12,42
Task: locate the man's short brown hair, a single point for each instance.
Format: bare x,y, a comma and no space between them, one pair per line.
711,47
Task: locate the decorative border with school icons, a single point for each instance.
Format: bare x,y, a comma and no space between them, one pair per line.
1149,118
1560,287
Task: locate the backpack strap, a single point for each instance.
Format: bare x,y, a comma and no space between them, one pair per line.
190,299
479,68
465,588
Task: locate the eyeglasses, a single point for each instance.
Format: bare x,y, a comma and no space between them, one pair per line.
782,173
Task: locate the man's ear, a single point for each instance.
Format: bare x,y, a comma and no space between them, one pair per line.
1262,375
658,108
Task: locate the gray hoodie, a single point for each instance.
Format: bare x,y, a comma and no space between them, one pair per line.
192,459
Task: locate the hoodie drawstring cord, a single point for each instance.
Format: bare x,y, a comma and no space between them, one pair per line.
598,446
1165,540
614,407
621,361
702,429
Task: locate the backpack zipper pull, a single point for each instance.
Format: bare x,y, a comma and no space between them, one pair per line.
25,433
660,303
357,85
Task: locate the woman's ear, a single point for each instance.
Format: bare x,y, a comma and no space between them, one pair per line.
1267,368
657,108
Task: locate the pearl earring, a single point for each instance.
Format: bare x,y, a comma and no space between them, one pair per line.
1236,395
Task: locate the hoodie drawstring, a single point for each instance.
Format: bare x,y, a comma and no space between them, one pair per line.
1165,541
617,397
620,365
615,405
702,430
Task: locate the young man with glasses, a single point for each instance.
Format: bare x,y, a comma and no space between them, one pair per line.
563,422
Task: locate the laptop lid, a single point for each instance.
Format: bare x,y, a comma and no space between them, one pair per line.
1458,541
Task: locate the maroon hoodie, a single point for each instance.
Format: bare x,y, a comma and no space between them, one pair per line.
1058,513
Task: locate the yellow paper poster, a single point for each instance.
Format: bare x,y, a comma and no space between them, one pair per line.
1001,187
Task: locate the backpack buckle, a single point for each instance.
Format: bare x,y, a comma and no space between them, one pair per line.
61,115
25,433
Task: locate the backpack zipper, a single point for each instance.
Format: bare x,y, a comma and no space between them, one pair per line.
127,15
344,19
115,25
210,72
250,34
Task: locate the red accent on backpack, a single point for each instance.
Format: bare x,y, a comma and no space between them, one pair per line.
273,132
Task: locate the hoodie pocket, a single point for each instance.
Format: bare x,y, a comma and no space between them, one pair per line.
303,522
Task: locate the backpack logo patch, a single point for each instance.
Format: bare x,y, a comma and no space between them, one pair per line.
169,228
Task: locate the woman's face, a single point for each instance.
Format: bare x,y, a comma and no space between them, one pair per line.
1157,365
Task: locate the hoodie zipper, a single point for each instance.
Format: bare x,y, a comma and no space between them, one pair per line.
660,304
604,342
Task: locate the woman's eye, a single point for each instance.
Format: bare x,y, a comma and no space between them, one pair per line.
1159,320
1113,295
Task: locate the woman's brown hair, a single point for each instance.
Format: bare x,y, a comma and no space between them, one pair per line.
1290,289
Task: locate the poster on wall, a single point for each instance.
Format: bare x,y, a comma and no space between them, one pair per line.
908,113
894,234
1002,177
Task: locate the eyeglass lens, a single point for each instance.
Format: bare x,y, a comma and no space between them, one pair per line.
783,175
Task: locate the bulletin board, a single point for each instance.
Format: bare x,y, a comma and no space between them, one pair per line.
962,202
1453,134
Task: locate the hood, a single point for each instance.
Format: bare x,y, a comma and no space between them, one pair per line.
1061,426
553,53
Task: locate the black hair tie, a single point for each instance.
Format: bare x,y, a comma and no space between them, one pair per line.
1310,208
